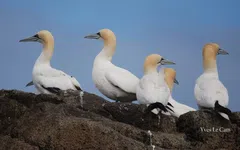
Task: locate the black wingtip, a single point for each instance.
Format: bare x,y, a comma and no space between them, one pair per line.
170,104
53,90
222,109
156,105
169,109
78,88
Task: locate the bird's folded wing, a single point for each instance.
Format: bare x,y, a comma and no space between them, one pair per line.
210,91
122,79
54,80
76,83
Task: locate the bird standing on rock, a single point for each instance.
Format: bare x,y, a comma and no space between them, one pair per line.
209,90
46,79
112,81
152,89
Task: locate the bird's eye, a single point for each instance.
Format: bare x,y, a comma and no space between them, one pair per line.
99,34
36,35
161,60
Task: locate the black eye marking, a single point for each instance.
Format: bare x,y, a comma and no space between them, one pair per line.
161,60
36,35
218,51
99,34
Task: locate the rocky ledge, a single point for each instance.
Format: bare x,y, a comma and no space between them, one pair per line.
29,121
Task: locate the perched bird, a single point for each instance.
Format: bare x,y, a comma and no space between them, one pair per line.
209,90
152,90
46,79
174,108
112,81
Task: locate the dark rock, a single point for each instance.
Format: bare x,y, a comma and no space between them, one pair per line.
29,121
209,129
133,114
9,143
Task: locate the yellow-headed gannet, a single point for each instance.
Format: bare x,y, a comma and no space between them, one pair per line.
152,89
209,90
46,79
174,108
114,82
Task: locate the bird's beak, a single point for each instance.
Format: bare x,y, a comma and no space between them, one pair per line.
222,52
176,81
93,36
167,62
34,38
29,84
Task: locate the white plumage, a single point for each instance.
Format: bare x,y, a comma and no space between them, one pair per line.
174,108
46,79
152,88
178,108
49,80
114,82
208,88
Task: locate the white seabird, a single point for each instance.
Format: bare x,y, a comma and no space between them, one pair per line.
174,108
112,81
152,90
46,79
209,90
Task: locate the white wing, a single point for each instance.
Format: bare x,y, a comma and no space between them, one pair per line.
178,108
122,79
76,83
207,92
54,80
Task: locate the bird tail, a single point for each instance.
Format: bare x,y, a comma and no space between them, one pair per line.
223,111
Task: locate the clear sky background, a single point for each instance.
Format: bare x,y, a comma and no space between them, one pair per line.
174,29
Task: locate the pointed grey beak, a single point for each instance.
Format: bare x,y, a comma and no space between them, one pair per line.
167,62
176,81
93,36
34,38
222,52
29,84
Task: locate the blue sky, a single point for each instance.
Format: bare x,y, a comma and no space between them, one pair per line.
174,29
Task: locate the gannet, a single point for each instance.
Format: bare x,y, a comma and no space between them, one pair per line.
46,79
112,81
174,108
152,90
209,90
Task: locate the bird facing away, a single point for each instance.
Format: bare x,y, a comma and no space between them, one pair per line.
46,79
174,108
152,90
209,90
112,81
